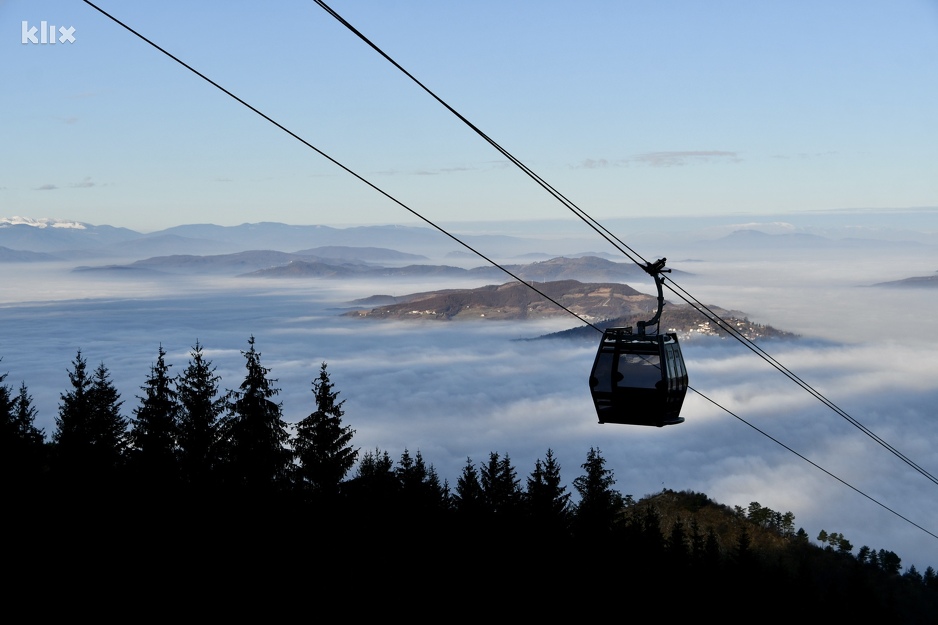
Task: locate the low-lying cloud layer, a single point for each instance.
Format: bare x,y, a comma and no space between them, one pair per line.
458,390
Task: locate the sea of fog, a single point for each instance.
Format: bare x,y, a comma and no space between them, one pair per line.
458,390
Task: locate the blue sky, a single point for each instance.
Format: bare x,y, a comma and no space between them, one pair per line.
630,108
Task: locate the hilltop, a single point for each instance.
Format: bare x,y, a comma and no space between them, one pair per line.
514,300
605,303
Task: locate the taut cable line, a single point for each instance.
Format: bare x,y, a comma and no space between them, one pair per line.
550,189
636,258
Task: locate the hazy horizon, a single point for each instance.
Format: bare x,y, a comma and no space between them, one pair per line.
454,390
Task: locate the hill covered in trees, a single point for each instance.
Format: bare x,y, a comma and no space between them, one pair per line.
215,483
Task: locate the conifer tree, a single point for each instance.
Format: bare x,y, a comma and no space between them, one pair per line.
106,405
73,430
374,487
30,445
501,488
547,498
375,479
22,446
438,493
930,578
419,484
7,427
155,429
712,552
677,544
21,443
410,472
24,417
468,499
322,444
255,433
90,436
375,464
913,575
599,503
201,409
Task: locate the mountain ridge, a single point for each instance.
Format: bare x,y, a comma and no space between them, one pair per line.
602,304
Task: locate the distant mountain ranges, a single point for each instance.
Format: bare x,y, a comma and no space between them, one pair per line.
251,247
561,268
19,256
338,262
916,282
587,284
590,286
70,240
329,261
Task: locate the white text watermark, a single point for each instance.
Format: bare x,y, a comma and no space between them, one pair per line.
47,33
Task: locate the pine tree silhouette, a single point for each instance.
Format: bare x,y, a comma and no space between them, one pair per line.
323,445
255,434
201,408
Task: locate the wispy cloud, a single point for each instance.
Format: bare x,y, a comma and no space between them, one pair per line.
85,183
680,158
593,164
663,159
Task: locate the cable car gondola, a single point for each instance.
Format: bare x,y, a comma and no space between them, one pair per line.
640,379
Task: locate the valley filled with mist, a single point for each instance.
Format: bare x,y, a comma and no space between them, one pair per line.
458,389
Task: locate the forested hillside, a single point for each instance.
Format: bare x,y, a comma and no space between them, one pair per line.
222,483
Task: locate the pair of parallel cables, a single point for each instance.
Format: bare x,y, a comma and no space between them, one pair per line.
592,223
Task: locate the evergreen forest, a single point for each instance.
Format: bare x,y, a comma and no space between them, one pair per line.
189,486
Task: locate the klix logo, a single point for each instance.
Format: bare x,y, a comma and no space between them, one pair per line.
47,33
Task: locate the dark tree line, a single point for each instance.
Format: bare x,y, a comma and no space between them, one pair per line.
22,445
198,469
187,433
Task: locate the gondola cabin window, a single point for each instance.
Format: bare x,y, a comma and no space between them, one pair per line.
640,371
